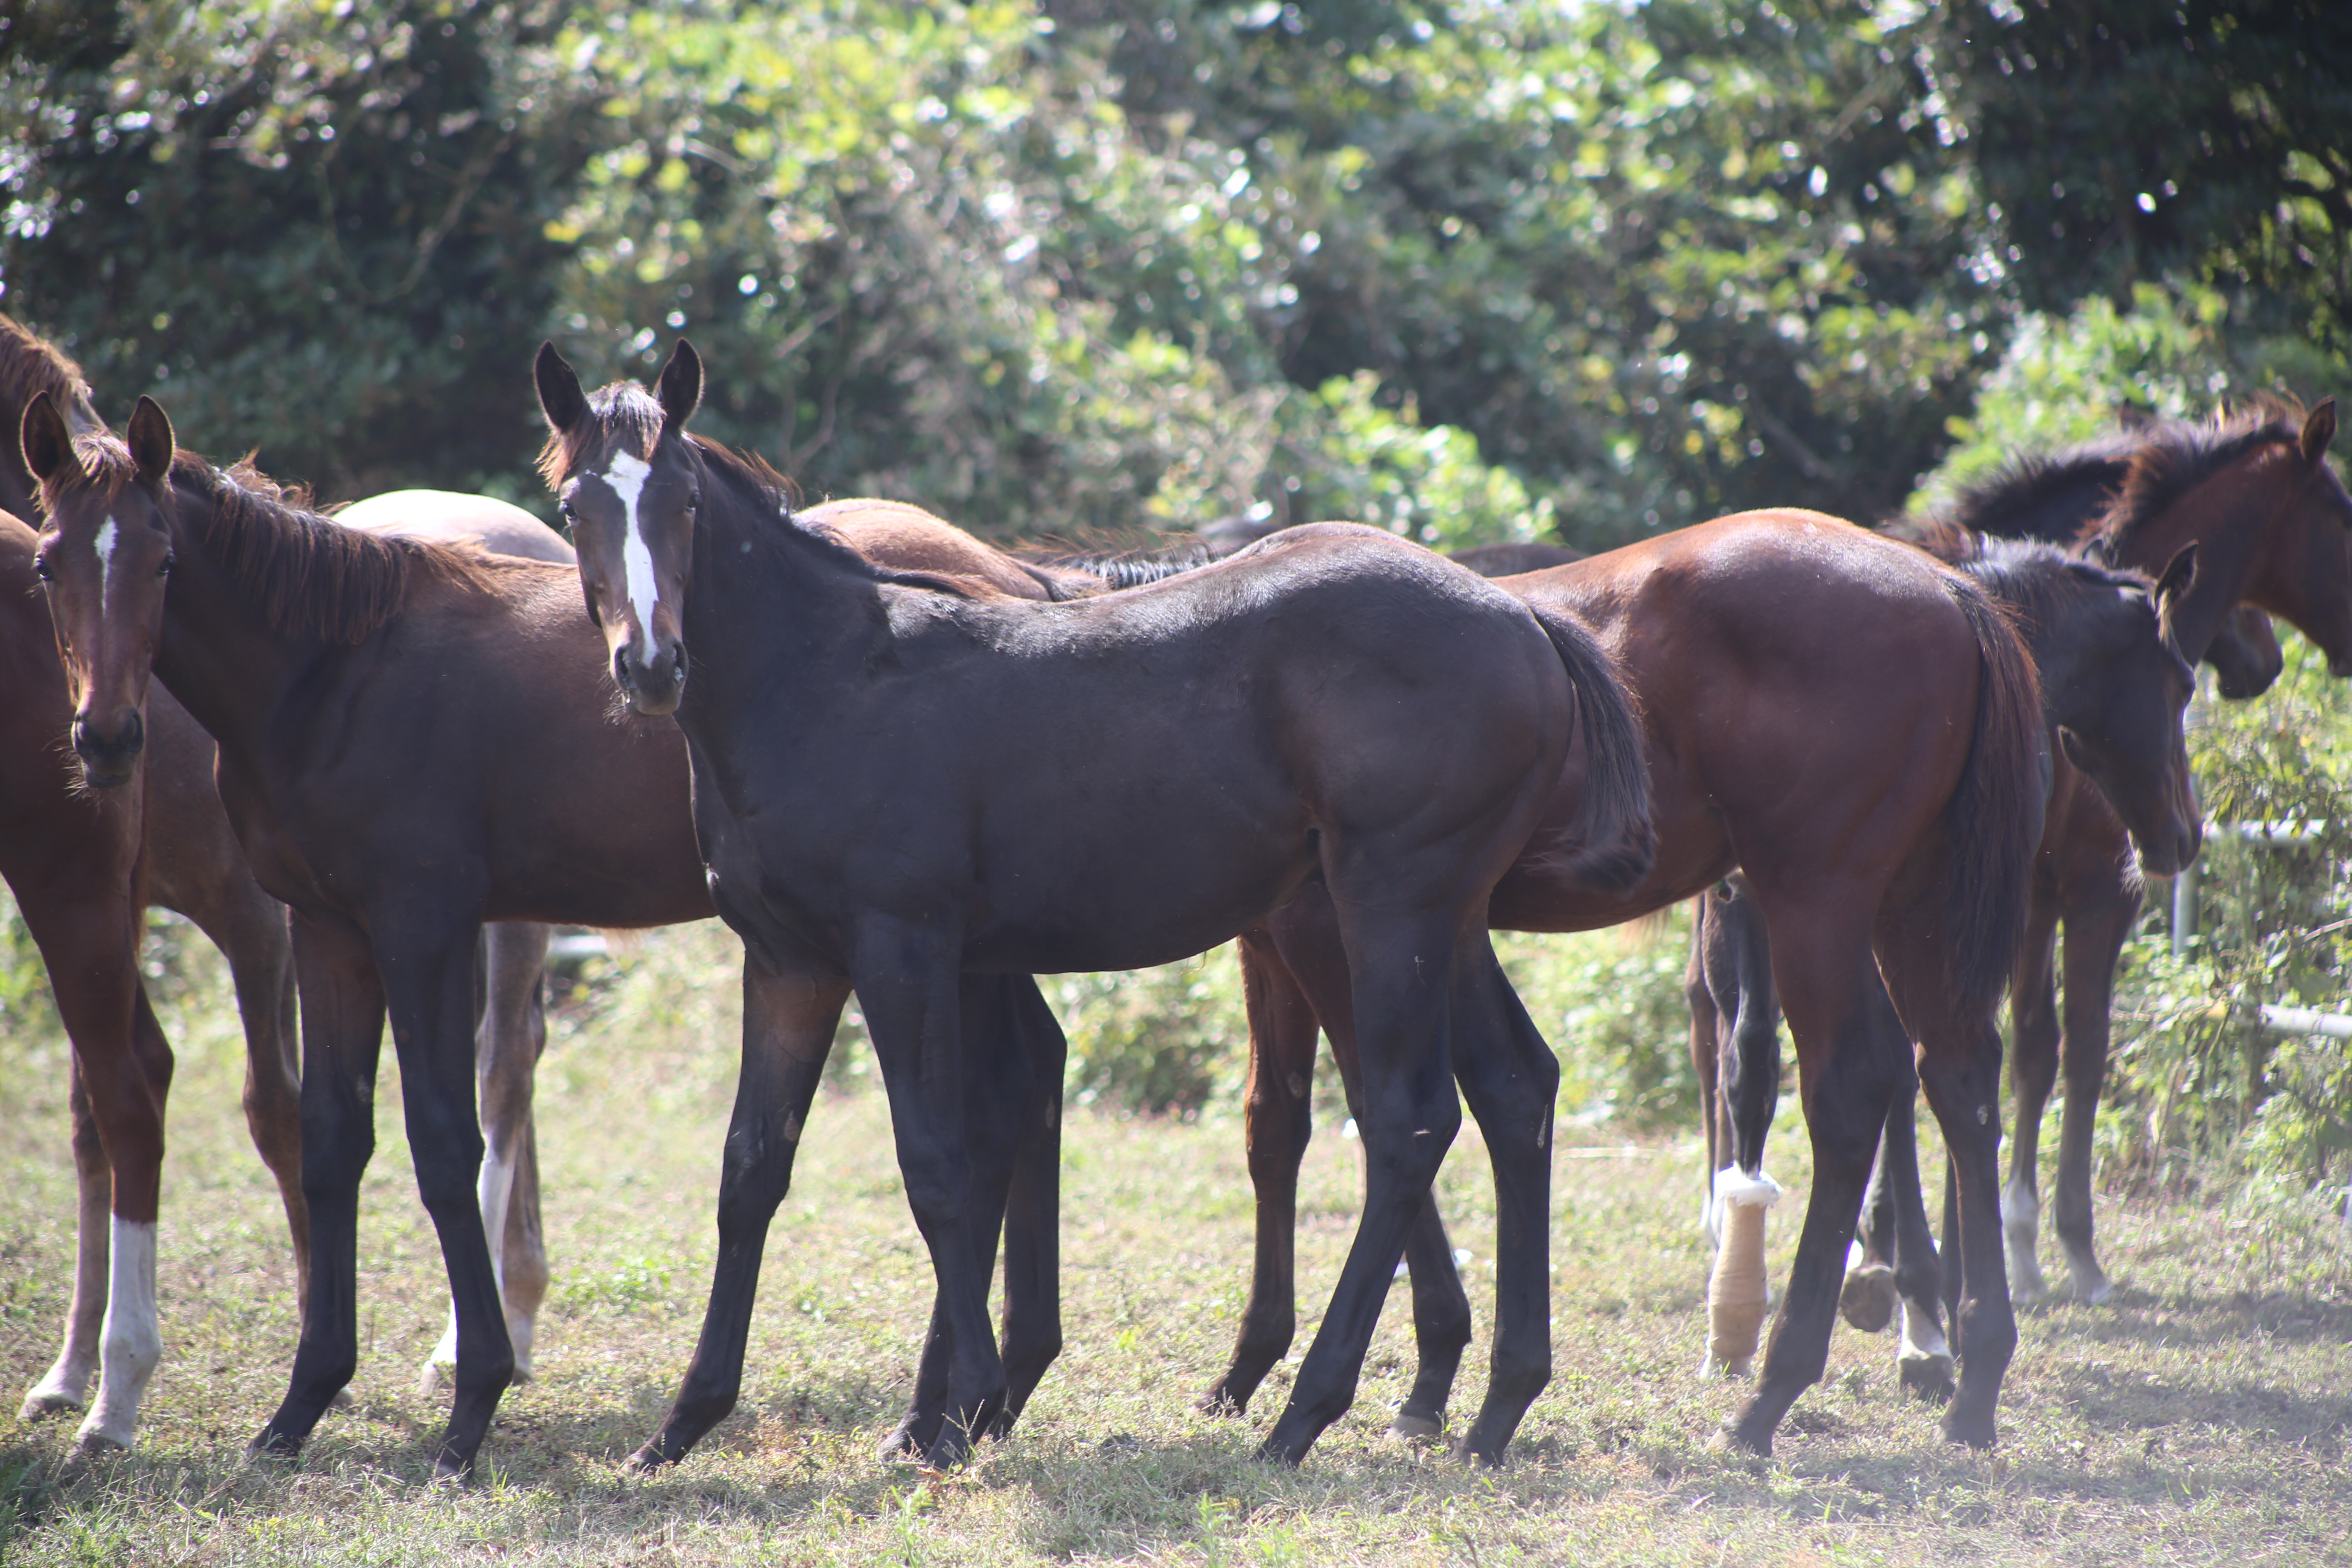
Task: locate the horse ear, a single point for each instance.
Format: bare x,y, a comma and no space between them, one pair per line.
152,442
47,444
560,397
2179,573
2318,430
2131,419
680,387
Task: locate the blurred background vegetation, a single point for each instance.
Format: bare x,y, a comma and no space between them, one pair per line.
1473,270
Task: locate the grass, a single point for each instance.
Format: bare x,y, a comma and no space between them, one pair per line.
2200,1417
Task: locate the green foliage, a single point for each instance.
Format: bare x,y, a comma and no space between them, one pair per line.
1611,1005
2195,1075
27,1011
1157,1041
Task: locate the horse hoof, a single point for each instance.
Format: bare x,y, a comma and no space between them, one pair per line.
644,1461
1929,1376
1868,1298
46,1401
342,1400
1969,1433
1414,1428
1735,1442
92,1443
1217,1402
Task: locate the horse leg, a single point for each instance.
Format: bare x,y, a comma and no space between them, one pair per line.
66,1386
1001,1114
507,1045
1401,967
2094,941
2032,1072
1868,1298
343,1033
1511,1079
1306,934
908,982
788,1025
89,943
1277,1122
1706,1058
1032,1204
1739,970
1922,1361
1850,1068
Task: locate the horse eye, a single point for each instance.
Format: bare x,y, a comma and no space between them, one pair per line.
41,568
694,503
166,569
564,512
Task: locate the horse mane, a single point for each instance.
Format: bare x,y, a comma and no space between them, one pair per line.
307,575
2030,482
628,410
2037,583
1130,568
2174,457
29,366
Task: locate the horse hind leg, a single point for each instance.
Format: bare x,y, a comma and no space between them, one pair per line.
1923,1359
507,1041
1278,1120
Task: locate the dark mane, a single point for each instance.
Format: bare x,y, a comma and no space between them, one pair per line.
2039,584
2026,484
629,410
307,575
1130,568
2175,456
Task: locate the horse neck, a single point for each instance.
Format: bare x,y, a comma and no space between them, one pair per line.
219,655
2227,518
770,604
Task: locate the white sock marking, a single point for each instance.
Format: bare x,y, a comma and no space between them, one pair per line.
134,1339
1927,1344
627,474
496,1186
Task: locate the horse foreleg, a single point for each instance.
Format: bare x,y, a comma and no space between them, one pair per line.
788,1025
507,1041
343,1033
2094,941
2032,1072
66,1386
1277,1122
1511,1079
1923,1360
1738,964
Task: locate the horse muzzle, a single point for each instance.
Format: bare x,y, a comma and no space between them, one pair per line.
110,752
653,689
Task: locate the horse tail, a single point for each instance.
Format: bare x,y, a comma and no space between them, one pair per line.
1993,821
1610,845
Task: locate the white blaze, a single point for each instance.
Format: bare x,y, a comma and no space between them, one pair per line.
133,1340
626,475
109,536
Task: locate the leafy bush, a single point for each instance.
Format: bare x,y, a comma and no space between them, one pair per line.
1158,1041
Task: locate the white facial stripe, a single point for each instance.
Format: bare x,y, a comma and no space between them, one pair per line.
626,476
108,537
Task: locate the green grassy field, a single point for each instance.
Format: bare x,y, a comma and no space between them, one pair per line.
2201,1416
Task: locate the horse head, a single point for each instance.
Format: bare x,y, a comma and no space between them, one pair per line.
2119,714
105,556
629,486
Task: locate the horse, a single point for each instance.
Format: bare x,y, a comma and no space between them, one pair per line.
84,864
414,741
2274,527
2114,686
1858,728
893,785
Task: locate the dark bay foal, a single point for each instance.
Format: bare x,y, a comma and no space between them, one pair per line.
413,740
894,785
